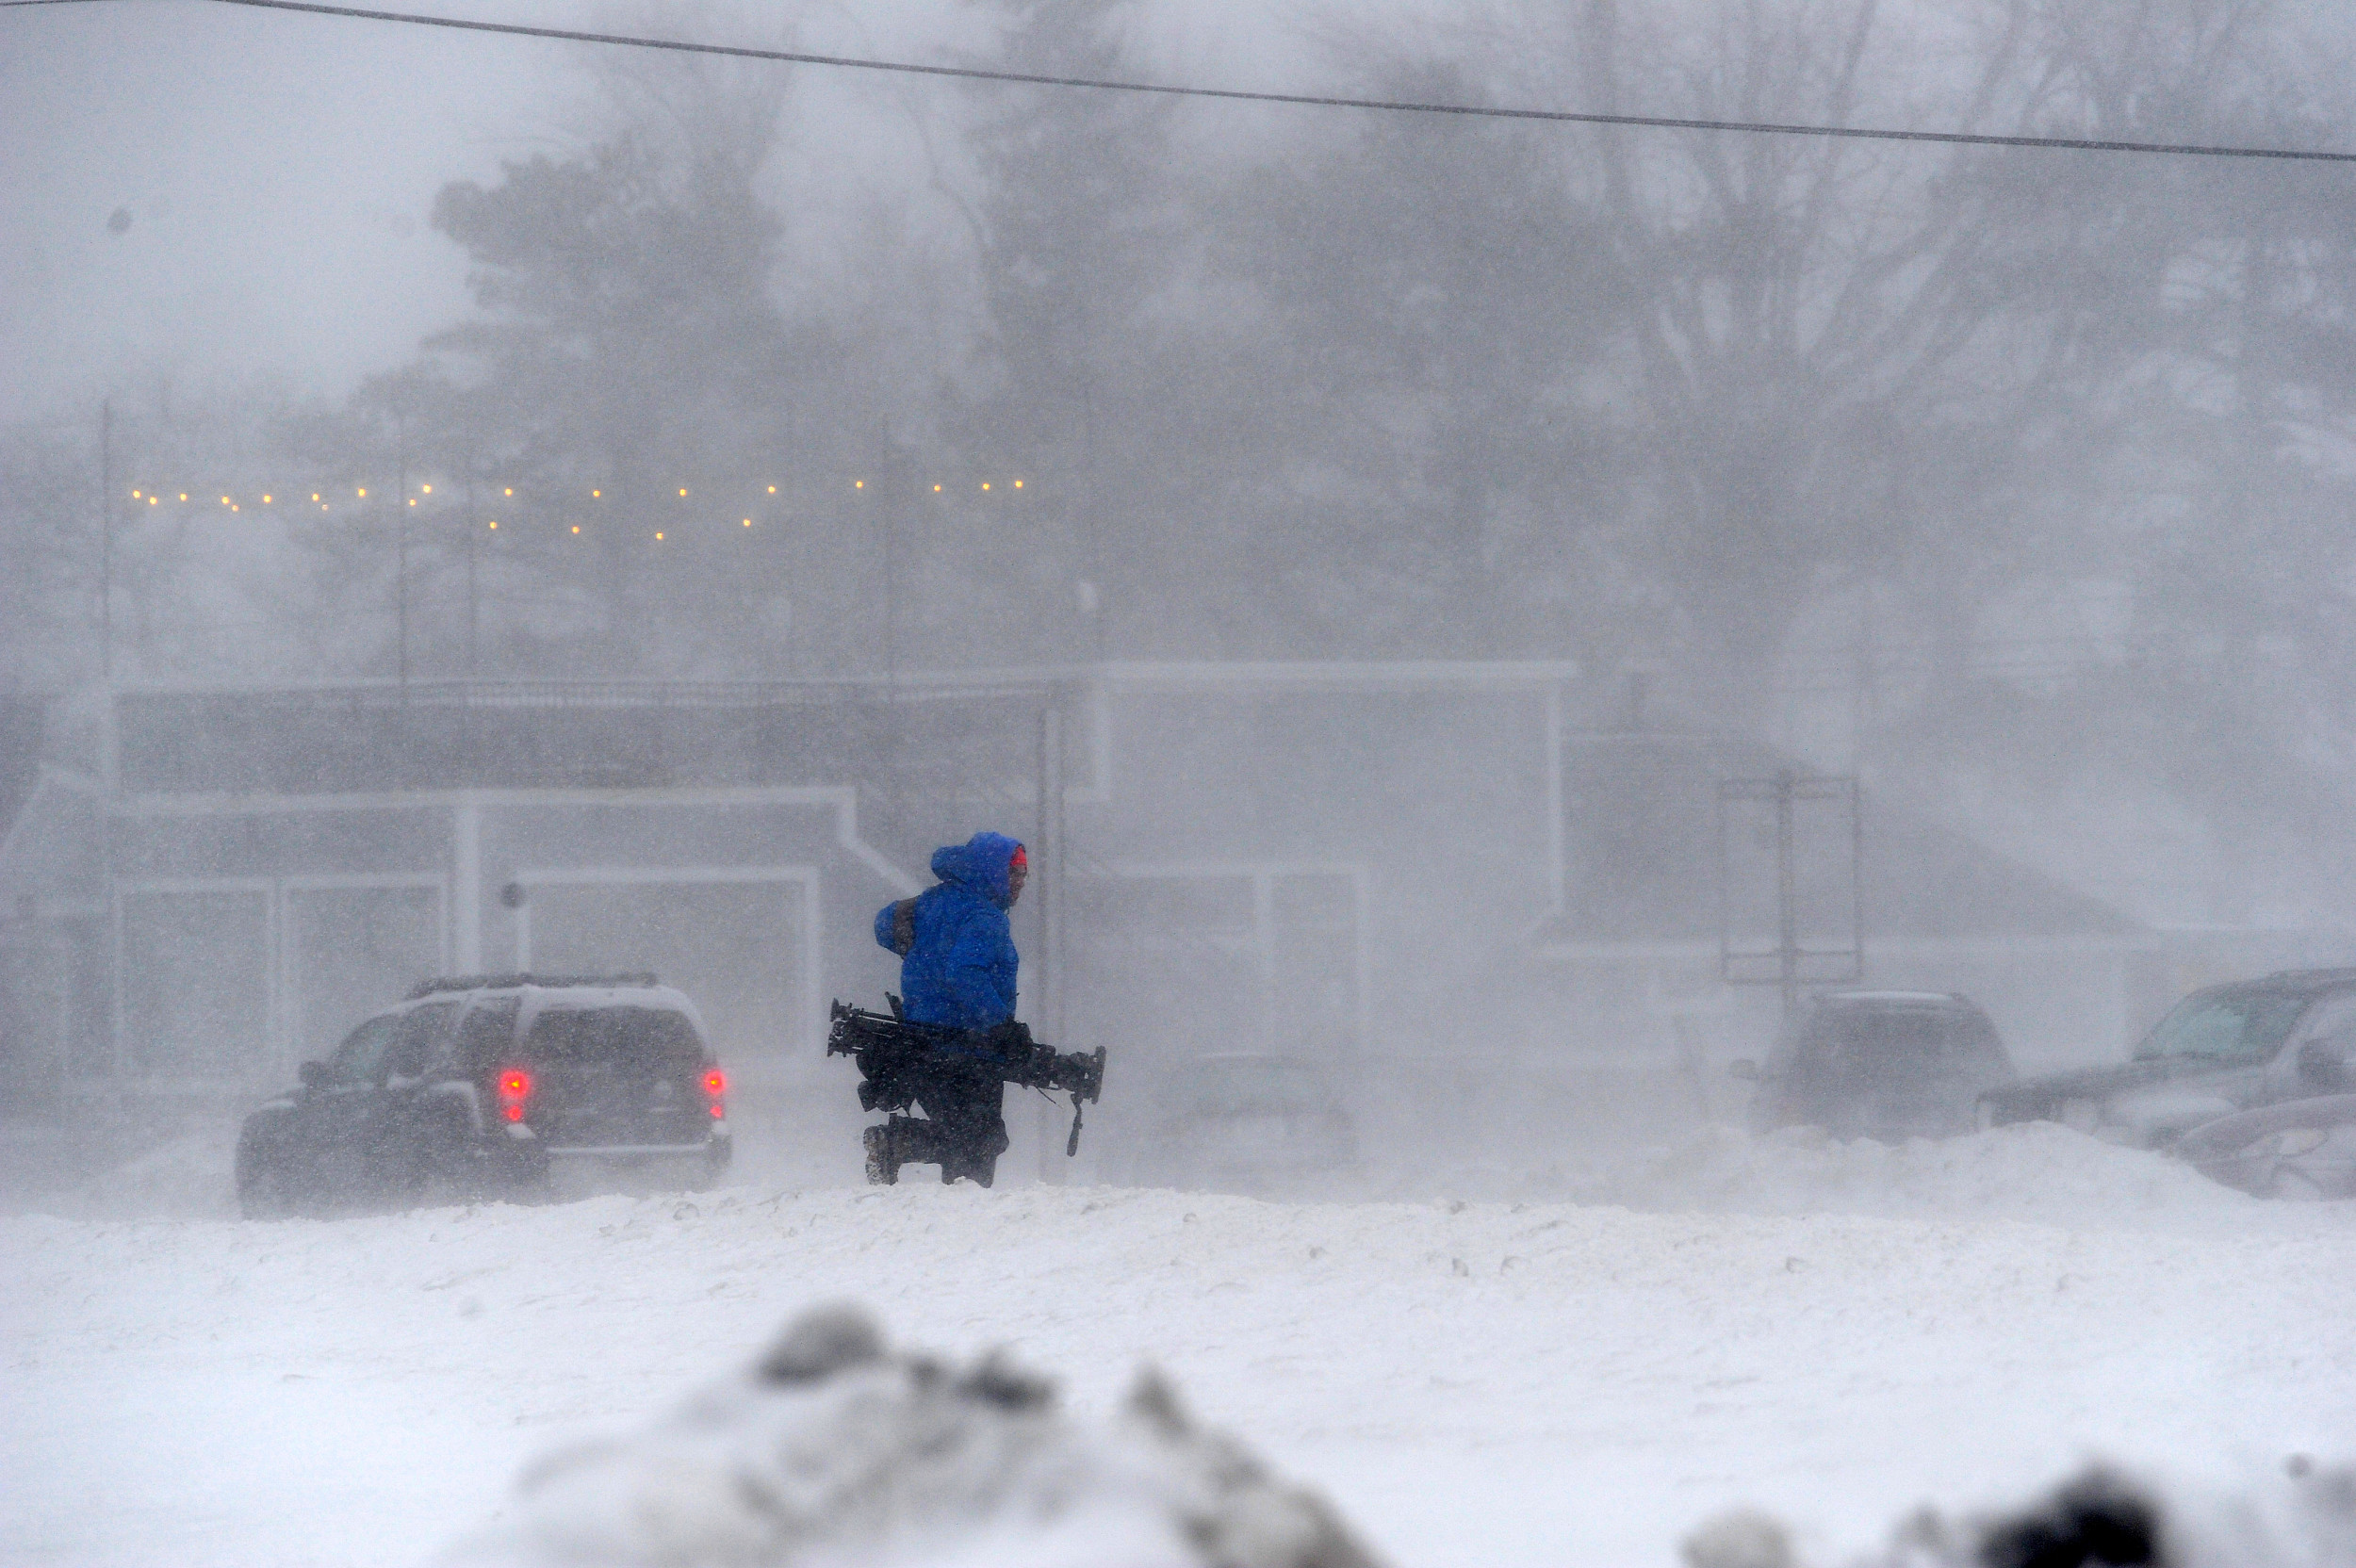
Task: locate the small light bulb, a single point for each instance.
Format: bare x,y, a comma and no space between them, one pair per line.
135,495
748,522
225,500
1018,485
235,507
936,489
364,494
151,500
596,493
265,501
184,494
985,485
772,489
315,495
576,528
858,484
412,500
657,538
427,488
495,522
683,491
510,492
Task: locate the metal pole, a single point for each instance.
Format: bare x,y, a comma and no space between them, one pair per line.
107,542
1045,868
1058,869
888,497
109,748
1786,916
1857,873
1042,900
1725,890
401,588
470,581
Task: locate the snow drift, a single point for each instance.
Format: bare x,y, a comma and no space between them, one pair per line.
834,1449
1509,1384
2037,1173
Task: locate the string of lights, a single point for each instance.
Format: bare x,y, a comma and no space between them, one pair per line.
1304,100
286,497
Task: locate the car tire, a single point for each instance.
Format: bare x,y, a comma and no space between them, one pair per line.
714,1168
441,1167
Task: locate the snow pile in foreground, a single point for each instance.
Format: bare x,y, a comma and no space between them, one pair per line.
2039,1172
2304,1518
834,1450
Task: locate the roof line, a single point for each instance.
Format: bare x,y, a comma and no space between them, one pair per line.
1307,672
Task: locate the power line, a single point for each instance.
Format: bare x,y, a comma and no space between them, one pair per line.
1475,111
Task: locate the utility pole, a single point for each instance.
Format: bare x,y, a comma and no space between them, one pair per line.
107,542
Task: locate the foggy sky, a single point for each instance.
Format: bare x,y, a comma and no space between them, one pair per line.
279,169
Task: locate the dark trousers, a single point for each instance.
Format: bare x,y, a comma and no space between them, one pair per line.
964,1127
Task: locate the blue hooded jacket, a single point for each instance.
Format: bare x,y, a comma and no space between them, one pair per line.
957,949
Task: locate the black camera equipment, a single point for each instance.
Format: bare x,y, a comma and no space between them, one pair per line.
894,1052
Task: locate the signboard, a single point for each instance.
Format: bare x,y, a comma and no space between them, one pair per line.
1790,899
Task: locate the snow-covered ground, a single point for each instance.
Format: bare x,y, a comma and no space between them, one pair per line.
1830,1332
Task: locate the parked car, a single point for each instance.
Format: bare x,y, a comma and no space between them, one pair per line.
1881,1065
1244,1119
478,1086
2299,1149
2219,1052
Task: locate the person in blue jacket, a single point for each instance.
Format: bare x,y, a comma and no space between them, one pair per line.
958,968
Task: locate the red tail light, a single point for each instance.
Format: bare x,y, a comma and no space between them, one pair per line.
515,1087
716,1086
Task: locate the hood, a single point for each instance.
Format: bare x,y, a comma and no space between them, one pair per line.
2130,1093
2088,1083
980,863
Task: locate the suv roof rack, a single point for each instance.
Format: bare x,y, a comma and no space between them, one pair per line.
503,982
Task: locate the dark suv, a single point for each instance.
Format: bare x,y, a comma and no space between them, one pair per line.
2228,1049
473,1087
1880,1065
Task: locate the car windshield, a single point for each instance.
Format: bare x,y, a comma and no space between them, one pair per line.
1255,1087
1897,1044
2225,1025
646,1036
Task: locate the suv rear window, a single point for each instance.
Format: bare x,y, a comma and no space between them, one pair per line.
487,1034
1899,1044
644,1036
